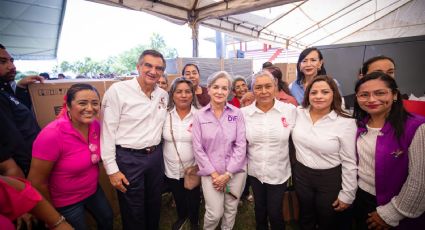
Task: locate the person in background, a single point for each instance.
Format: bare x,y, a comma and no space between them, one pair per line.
163,82
247,99
15,109
391,160
181,108
18,197
325,172
266,64
310,64
191,71
268,125
382,64
283,93
61,76
239,88
45,75
219,146
65,163
134,112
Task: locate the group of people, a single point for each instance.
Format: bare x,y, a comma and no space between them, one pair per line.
364,170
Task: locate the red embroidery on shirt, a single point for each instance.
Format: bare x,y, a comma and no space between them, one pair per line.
284,123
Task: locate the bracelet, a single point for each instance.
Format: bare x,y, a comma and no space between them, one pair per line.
60,221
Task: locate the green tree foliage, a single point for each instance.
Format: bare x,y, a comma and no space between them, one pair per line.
123,63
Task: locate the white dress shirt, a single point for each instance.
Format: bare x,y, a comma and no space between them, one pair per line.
267,135
327,143
130,119
182,130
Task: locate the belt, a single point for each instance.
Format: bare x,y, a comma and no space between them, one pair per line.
147,150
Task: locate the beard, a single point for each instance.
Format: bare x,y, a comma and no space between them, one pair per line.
9,76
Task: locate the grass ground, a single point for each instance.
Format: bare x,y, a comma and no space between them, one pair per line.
244,220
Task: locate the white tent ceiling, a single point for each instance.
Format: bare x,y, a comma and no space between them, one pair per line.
294,23
30,29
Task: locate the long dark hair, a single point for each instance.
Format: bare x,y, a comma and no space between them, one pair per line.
336,100
303,54
277,74
173,88
397,116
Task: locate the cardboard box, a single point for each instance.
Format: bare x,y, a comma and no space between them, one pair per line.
289,71
47,98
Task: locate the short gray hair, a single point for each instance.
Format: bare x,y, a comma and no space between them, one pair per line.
217,75
261,74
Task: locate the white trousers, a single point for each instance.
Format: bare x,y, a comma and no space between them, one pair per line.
222,205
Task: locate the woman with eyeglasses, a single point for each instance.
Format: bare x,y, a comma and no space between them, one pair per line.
325,172
269,123
191,71
178,151
391,160
65,160
219,146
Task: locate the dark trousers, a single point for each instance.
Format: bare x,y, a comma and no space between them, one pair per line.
364,204
317,189
187,201
268,200
140,205
97,205
245,192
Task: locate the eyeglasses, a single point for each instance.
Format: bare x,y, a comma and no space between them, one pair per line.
378,94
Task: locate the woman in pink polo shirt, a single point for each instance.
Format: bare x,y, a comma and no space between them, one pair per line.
65,160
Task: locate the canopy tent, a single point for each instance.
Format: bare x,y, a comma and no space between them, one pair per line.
30,29
291,23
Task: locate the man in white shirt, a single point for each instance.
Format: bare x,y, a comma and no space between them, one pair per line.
133,115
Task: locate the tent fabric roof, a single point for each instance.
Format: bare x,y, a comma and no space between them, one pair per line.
30,29
294,23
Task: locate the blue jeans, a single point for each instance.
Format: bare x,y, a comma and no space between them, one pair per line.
97,205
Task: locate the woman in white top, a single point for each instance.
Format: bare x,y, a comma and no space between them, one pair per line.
326,172
268,125
181,107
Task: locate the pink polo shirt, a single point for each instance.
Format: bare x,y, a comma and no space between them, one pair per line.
74,175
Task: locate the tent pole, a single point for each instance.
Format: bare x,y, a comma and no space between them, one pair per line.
195,43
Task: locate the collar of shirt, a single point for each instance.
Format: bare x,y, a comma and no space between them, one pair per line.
208,107
156,88
189,115
65,126
251,109
331,115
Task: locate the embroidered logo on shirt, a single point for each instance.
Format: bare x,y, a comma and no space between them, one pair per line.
162,103
189,129
94,156
397,153
232,118
14,100
284,123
